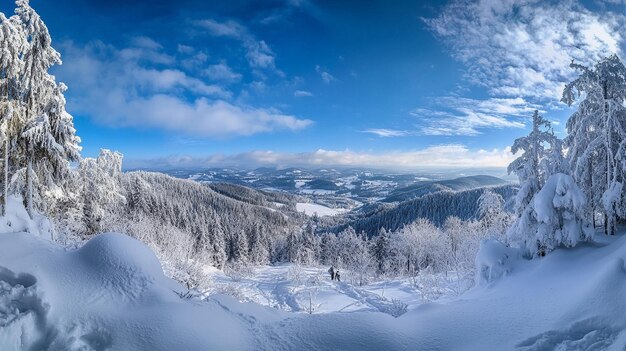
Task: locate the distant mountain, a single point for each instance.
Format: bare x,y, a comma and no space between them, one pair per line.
428,187
436,207
324,184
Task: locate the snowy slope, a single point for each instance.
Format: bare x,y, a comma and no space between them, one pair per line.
111,295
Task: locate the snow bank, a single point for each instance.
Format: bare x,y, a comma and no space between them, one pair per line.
16,220
495,260
108,295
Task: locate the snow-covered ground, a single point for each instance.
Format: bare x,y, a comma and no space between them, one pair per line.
111,294
311,209
296,288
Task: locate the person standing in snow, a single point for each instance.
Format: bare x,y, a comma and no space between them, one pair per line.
331,270
337,276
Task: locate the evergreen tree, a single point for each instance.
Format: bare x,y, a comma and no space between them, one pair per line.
292,247
40,133
382,250
527,166
596,138
238,247
12,45
555,217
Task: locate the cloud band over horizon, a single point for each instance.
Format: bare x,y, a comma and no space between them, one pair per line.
453,156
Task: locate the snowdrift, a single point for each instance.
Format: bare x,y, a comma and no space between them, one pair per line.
111,294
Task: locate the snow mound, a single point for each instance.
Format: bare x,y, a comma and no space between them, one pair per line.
110,294
114,253
126,266
17,220
494,261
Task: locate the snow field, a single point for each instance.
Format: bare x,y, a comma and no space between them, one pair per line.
311,209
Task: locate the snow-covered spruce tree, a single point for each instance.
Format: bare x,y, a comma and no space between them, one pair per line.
292,247
208,240
213,242
527,166
327,248
12,45
382,251
238,248
596,140
540,228
41,132
259,246
310,244
101,188
555,217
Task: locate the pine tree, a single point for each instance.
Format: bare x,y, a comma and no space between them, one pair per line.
382,250
101,188
596,139
238,247
292,247
39,133
527,166
555,217
258,248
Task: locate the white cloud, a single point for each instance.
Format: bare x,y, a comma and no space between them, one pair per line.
387,133
463,116
524,47
165,80
434,157
202,117
116,88
326,77
185,49
145,43
302,93
229,29
258,53
222,72
284,12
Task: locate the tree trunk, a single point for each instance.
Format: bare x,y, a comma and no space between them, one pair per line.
607,112
29,189
6,177
593,216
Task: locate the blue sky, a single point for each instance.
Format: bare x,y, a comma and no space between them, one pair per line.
402,84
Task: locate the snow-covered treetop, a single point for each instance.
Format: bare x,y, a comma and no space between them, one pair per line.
607,79
526,166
